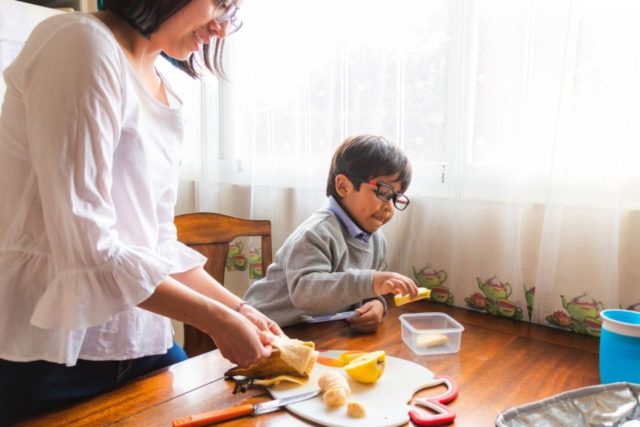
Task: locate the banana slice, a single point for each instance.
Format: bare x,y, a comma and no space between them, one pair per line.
356,410
431,340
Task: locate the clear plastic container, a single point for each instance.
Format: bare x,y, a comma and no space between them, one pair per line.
431,333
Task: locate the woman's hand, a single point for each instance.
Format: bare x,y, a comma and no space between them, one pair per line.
206,306
260,320
386,282
369,316
239,340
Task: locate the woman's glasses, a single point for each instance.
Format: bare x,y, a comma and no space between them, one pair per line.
385,192
226,12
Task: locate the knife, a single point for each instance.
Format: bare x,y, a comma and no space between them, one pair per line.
241,410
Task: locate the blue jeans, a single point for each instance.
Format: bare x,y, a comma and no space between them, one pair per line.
29,388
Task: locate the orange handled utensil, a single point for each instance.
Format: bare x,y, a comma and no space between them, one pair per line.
241,410
213,416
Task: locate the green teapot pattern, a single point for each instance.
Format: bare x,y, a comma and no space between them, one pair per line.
236,261
529,295
581,310
255,264
579,316
434,280
494,299
494,289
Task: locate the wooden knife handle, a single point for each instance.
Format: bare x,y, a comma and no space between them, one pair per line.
213,416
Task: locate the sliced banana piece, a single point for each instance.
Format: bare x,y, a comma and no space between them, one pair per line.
356,410
335,388
431,340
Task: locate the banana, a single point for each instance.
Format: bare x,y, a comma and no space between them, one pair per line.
289,357
334,387
356,410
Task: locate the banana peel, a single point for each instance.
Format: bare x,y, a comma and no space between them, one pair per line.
268,382
291,360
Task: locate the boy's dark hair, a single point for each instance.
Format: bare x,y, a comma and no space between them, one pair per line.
366,157
147,15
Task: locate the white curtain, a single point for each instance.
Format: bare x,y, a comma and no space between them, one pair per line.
521,119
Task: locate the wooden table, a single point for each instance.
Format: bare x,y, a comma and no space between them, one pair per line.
502,363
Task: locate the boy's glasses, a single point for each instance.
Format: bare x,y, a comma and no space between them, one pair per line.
226,12
385,192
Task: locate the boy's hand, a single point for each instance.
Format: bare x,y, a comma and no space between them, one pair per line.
369,316
386,282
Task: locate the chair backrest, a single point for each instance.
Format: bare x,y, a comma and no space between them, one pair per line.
210,234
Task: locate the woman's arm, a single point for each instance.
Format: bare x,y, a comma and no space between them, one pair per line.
202,282
238,339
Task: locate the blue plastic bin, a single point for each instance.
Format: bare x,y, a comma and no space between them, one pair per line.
620,346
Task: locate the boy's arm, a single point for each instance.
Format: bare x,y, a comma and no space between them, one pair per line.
314,283
322,274
381,266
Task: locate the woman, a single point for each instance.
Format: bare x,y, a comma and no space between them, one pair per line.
90,268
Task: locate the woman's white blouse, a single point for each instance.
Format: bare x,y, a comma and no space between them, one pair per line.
89,166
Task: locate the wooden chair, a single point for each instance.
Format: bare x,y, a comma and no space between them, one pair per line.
210,234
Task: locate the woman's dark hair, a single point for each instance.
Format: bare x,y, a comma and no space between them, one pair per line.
366,157
147,15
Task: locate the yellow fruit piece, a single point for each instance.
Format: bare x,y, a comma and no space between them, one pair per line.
431,340
334,387
349,355
356,410
367,368
423,293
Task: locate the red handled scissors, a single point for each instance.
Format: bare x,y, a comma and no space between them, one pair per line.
443,415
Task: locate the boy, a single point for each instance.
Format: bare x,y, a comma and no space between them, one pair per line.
330,263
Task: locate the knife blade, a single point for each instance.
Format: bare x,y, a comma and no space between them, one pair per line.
241,410
274,405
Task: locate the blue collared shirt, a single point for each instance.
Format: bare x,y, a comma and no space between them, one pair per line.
346,220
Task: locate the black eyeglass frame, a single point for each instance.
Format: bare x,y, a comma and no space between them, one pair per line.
400,201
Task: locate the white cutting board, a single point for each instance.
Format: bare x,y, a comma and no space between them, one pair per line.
385,401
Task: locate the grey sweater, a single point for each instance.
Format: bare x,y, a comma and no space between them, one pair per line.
319,269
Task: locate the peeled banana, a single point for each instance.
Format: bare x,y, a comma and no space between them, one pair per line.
334,387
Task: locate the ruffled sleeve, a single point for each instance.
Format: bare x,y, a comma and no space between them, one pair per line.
182,257
73,94
91,297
